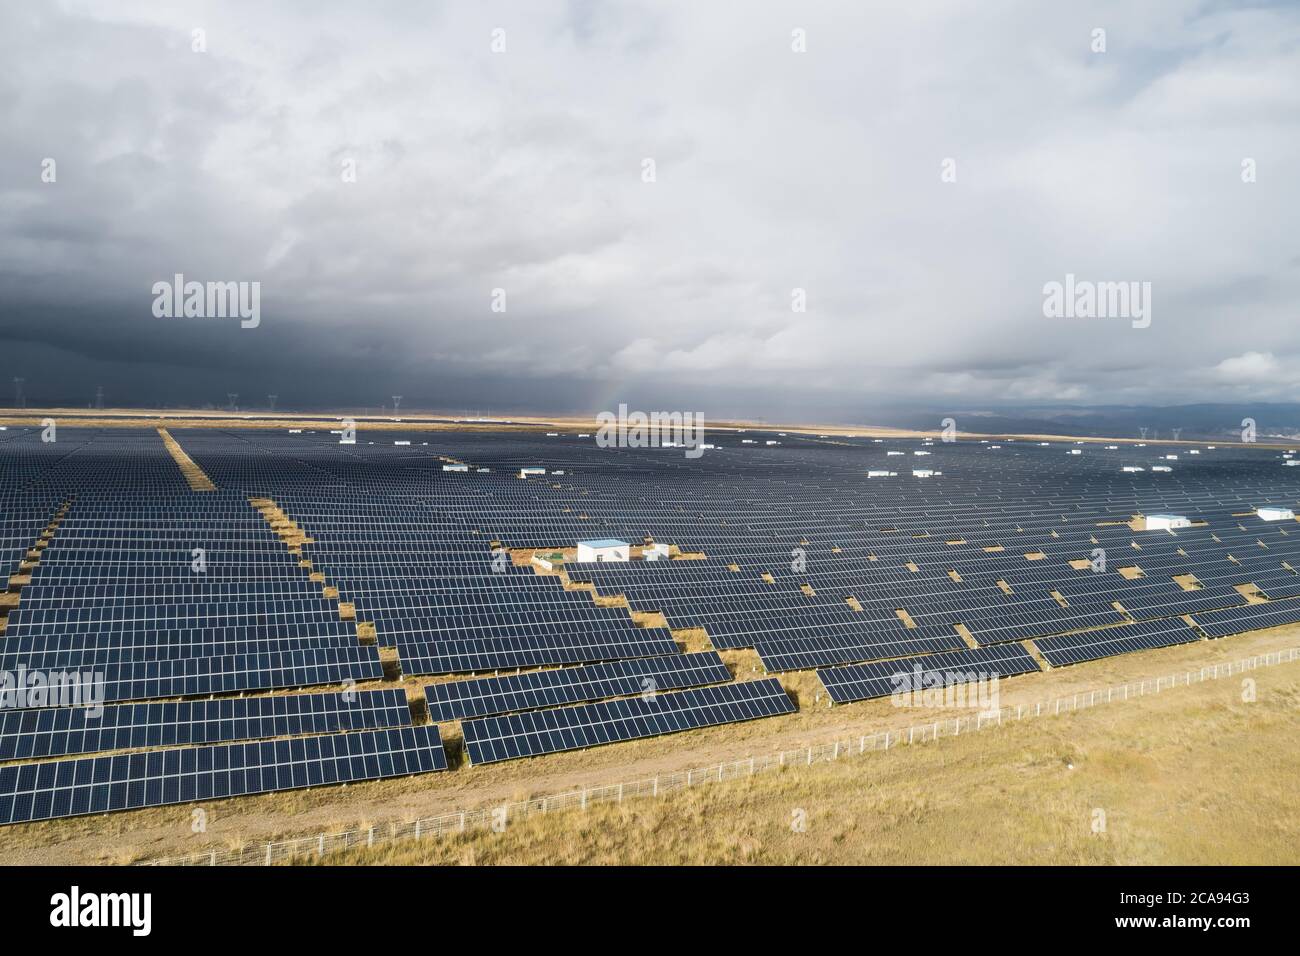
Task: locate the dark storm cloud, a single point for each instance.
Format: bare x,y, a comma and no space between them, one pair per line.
522,171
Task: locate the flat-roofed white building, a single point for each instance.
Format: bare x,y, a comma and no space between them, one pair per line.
604,549
1275,513
654,552
1163,522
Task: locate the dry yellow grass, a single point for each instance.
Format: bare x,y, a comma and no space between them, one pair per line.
194,475
1194,776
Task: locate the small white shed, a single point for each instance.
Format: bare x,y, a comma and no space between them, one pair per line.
1275,513
1166,522
604,549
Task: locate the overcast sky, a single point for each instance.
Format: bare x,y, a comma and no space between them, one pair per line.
774,170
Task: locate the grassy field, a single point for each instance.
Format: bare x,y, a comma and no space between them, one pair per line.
1192,776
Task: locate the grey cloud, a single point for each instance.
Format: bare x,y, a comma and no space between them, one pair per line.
775,170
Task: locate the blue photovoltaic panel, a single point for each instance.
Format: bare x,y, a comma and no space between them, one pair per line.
63,731
480,697
492,739
1249,617
808,653
65,788
199,676
884,678
1109,641
486,654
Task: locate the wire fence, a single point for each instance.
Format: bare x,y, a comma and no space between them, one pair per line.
496,818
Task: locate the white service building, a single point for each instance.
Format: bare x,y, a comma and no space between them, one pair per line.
1166,522
1275,513
604,549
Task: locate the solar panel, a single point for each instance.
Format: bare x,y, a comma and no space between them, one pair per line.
200,676
1249,617
543,650
885,678
65,788
492,739
455,700
799,654
1109,641
63,731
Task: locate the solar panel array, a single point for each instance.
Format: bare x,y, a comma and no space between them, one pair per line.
460,699
190,616
917,675
1107,642
58,732
492,739
154,778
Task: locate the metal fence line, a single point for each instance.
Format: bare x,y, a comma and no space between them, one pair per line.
496,818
